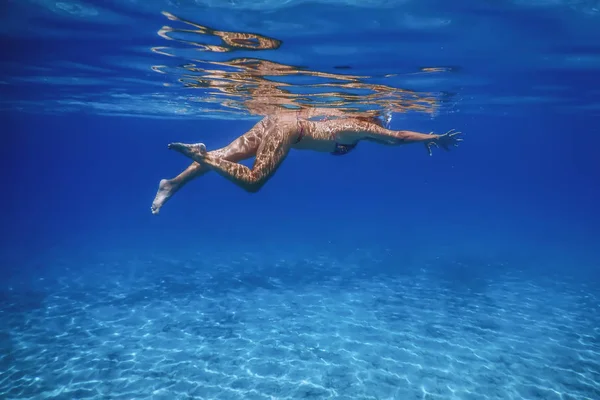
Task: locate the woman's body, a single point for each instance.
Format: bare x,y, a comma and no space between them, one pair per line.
273,137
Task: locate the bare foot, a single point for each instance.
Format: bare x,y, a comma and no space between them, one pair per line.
165,191
196,152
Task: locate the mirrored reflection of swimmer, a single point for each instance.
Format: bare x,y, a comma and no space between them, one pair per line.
274,136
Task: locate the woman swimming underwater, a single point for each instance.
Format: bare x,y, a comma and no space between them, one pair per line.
271,139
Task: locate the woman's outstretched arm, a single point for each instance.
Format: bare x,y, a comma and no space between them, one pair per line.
352,131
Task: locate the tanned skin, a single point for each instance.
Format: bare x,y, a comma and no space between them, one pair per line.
273,137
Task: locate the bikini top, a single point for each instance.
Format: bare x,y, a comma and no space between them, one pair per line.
339,150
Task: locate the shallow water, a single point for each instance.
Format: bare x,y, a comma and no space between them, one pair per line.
382,274
241,326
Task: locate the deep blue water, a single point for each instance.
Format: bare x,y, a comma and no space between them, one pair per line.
382,274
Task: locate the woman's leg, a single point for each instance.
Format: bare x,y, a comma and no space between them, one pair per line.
242,148
273,149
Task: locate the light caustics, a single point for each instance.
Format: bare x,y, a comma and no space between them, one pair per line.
259,86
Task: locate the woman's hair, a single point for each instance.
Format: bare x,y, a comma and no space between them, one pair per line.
371,119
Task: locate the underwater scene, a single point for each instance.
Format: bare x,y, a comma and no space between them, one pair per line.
300,199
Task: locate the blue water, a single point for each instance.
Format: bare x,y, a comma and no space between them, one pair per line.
382,274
